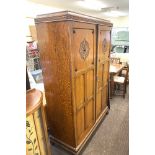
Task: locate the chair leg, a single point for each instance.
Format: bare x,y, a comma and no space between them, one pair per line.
120,88
124,95
125,87
115,87
124,90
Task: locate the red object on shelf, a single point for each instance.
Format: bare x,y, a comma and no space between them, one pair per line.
32,49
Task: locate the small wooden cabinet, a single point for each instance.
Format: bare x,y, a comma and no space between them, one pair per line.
74,51
37,142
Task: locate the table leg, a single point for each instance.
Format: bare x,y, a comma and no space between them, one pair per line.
111,86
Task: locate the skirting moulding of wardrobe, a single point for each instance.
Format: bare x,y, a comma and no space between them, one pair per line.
74,53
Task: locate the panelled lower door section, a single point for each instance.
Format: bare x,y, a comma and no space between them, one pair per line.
84,79
102,70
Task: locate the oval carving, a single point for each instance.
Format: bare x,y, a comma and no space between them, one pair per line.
104,45
84,49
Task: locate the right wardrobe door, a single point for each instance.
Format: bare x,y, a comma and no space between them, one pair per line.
103,54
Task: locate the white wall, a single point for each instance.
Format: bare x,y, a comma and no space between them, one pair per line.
120,21
34,9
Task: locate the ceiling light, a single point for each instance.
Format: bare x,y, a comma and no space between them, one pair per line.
91,4
107,9
114,14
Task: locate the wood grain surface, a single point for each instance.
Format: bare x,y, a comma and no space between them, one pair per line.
75,68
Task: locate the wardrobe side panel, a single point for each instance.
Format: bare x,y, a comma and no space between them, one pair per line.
55,56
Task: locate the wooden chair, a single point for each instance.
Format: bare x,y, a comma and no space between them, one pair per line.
115,60
120,83
124,72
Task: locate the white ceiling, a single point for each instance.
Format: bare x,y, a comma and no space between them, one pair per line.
90,7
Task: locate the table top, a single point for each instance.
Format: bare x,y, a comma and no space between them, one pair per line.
115,68
33,100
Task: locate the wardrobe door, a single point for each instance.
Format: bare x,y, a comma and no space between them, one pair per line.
105,84
102,69
84,45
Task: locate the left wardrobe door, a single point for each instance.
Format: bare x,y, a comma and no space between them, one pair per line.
84,55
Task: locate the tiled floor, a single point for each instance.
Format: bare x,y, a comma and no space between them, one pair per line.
112,136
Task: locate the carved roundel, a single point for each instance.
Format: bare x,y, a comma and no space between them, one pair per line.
104,45
84,49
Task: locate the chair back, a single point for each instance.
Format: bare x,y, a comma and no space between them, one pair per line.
126,74
115,60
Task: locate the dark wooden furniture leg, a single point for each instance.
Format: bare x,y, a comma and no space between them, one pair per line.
111,86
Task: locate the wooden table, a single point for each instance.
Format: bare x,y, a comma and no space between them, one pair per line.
115,69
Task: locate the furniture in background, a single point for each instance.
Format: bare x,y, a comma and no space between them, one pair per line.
37,141
32,56
119,78
115,60
124,72
74,54
120,83
115,69
33,61
33,32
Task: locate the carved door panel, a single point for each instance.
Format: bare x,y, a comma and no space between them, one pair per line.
102,87
104,44
102,70
84,48
84,79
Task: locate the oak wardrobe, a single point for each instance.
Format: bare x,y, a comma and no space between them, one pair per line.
74,53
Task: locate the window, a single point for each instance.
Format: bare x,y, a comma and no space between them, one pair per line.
120,36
